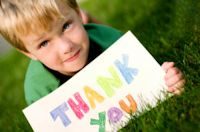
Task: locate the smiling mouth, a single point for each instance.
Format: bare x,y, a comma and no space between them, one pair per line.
74,57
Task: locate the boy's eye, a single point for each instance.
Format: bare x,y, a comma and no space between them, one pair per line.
66,26
44,44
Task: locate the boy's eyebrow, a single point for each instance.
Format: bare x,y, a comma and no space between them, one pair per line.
41,36
61,21
38,39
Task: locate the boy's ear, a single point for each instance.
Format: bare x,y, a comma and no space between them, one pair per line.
28,54
84,16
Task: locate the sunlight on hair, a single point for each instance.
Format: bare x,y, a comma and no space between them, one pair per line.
22,17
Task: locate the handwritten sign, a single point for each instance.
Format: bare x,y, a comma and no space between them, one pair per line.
122,80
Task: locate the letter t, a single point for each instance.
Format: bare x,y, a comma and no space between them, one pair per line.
60,112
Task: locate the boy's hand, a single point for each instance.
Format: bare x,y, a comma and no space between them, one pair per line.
174,78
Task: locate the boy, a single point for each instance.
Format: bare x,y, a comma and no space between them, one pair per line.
51,33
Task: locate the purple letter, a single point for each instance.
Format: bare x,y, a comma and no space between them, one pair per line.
114,114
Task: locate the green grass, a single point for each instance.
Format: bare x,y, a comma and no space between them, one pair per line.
170,30
13,66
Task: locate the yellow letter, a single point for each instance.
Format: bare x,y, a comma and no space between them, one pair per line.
92,96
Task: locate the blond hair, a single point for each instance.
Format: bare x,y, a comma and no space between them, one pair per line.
21,17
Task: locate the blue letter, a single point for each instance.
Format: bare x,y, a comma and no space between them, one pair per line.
60,112
126,71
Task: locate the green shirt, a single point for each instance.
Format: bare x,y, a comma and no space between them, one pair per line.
40,80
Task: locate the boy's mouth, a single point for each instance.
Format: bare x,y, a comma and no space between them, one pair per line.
73,57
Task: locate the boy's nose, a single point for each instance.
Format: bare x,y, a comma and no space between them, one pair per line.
64,45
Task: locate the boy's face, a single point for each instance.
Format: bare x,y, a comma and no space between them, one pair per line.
64,48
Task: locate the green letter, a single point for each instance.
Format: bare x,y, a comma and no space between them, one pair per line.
100,122
107,83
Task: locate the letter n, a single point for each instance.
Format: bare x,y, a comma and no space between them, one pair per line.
107,83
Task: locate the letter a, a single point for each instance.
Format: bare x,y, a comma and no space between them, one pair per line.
92,96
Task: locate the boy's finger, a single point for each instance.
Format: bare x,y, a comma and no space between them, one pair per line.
166,65
178,92
173,80
178,86
172,72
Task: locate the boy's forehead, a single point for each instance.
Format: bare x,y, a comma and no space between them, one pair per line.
50,25
53,26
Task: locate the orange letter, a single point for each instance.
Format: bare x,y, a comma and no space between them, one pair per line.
129,109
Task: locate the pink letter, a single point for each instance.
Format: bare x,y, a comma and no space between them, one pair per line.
78,107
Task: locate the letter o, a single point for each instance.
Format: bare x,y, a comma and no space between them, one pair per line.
114,114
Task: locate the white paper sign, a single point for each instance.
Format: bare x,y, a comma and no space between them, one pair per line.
123,79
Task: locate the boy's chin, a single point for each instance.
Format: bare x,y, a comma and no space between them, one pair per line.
76,67
73,71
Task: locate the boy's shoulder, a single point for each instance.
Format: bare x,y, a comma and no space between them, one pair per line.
102,34
38,81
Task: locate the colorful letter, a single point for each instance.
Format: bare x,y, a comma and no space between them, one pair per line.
60,112
129,109
126,71
114,114
77,107
92,96
108,83
100,122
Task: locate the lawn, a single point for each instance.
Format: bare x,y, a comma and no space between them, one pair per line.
170,30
